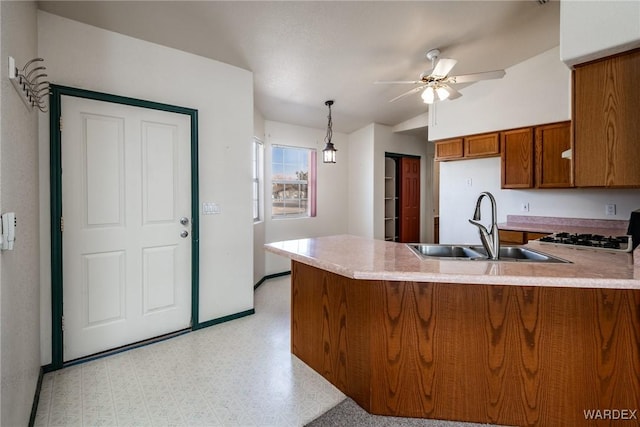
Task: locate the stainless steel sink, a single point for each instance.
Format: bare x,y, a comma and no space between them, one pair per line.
518,253
428,250
479,253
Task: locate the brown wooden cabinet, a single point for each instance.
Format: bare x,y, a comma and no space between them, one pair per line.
468,147
606,104
532,156
516,148
551,169
449,149
526,355
484,145
517,237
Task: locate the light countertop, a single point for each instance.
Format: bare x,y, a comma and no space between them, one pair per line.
550,225
369,259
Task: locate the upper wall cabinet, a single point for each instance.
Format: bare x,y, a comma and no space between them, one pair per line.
552,169
532,157
517,158
606,104
468,147
449,149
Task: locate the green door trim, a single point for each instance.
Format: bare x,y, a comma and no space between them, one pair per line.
55,106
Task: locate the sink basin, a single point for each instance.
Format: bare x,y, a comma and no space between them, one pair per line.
478,253
427,250
518,253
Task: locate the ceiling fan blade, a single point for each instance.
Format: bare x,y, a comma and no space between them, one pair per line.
453,94
395,82
468,78
409,92
443,66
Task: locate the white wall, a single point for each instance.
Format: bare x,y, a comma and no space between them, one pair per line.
535,91
332,190
19,269
595,29
87,57
532,92
457,200
361,179
388,141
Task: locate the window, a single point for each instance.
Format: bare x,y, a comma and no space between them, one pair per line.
293,182
257,179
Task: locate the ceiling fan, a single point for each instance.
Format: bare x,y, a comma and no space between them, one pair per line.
436,83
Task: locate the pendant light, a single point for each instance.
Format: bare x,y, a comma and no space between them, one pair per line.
329,152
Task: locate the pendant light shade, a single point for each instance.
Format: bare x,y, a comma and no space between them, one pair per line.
329,152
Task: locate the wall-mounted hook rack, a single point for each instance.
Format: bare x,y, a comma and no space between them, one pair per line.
30,83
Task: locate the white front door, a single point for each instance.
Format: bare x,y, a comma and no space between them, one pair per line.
126,255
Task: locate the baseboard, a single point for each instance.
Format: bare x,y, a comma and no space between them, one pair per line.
127,347
270,276
36,397
223,319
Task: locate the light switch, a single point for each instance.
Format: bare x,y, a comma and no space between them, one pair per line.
210,208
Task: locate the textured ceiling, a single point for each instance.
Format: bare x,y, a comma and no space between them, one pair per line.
305,52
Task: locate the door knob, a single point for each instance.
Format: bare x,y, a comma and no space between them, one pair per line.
184,234
184,220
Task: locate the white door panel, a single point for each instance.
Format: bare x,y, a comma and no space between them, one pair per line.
125,186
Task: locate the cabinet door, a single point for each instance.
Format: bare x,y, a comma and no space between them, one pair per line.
449,149
552,171
516,148
606,102
485,145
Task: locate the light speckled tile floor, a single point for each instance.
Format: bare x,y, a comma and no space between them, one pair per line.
239,373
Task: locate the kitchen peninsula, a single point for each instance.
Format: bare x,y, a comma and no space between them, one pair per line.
512,343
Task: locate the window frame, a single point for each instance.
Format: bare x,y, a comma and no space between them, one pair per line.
310,183
258,179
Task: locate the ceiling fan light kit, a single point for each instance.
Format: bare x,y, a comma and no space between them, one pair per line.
435,85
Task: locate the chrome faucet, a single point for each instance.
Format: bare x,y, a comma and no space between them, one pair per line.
490,239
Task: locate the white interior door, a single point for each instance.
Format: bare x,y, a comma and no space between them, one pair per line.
126,255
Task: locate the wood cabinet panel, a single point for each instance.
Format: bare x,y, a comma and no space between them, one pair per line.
449,149
517,158
517,237
485,145
533,236
508,355
327,314
513,237
606,101
551,170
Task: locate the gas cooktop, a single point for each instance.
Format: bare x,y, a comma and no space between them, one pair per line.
589,241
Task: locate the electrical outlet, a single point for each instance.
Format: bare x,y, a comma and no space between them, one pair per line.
469,182
610,210
524,207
